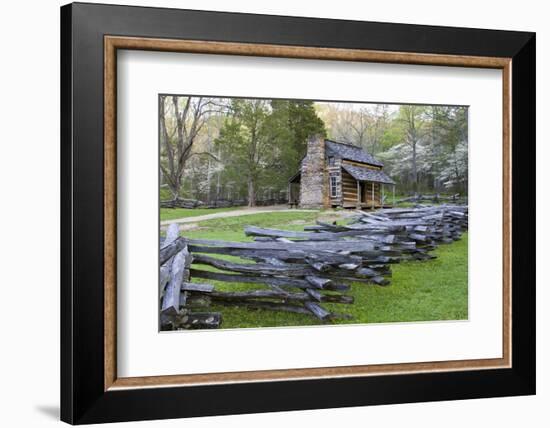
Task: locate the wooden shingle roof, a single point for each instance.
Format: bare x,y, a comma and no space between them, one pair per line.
350,152
362,173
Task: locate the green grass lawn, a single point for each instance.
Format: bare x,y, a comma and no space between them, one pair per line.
174,213
419,291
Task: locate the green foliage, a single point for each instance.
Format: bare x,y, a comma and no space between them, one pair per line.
291,123
426,148
245,142
300,120
393,135
165,194
420,291
262,142
247,149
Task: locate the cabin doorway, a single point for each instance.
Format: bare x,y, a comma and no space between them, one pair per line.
362,189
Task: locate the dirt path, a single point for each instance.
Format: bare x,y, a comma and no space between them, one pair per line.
236,213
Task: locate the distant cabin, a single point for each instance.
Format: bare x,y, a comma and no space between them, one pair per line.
334,174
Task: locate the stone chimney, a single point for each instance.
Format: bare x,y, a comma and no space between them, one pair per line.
313,181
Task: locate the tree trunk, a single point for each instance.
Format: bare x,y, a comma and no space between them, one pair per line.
251,192
208,181
414,168
175,188
218,182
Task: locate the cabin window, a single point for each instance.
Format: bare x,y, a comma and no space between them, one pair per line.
331,161
333,187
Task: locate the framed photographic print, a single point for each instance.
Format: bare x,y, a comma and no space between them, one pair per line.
266,213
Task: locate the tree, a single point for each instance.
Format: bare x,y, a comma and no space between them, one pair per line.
263,141
243,141
411,118
345,124
302,120
214,148
450,141
379,124
361,125
289,126
181,121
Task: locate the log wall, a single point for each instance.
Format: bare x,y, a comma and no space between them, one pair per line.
349,189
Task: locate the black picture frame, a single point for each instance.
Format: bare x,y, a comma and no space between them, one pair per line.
83,399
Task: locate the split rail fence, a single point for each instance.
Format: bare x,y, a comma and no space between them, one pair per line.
297,271
221,203
433,198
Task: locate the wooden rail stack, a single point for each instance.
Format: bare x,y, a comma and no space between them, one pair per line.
293,278
408,233
297,271
181,203
219,203
427,226
174,277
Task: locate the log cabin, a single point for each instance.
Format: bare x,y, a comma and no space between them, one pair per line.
334,174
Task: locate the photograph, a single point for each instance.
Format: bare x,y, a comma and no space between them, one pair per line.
287,212
261,210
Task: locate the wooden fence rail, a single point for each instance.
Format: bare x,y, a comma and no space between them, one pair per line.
297,271
222,203
432,198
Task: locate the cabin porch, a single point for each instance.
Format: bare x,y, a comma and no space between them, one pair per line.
362,194
294,184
